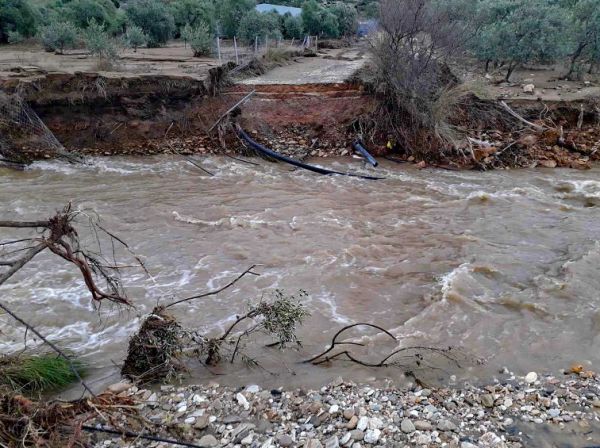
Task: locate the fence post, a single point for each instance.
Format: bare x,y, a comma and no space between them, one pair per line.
316,43
266,43
255,44
219,47
292,44
237,59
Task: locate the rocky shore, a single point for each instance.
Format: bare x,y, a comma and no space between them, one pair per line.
343,414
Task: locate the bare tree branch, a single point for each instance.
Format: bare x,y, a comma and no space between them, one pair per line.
217,291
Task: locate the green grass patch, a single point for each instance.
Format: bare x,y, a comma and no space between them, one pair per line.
38,373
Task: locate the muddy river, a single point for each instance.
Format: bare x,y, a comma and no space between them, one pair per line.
501,265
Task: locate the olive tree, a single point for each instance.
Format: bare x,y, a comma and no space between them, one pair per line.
293,28
347,18
58,36
200,39
99,42
586,38
193,12
153,17
135,37
231,13
521,31
256,24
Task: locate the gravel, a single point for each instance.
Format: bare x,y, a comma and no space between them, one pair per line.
344,414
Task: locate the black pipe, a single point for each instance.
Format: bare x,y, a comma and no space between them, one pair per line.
361,149
270,153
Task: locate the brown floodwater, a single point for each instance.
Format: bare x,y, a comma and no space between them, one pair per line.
501,265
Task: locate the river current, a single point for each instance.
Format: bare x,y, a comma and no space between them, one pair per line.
501,265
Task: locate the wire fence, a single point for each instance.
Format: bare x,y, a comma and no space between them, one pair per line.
242,52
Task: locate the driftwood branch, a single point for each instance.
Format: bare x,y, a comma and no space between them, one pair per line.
216,291
324,357
537,127
334,341
15,265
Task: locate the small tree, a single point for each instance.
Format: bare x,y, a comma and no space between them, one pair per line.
255,24
311,16
231,13
371,10
586,36
153,17
58,36
186,33
347,18
200,40
135,37
192,12
329,25
522,31
293,27
98,42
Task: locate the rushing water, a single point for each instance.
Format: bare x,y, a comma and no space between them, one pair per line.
501,264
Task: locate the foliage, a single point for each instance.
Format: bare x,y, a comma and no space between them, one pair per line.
520,31
18,16
193,12
255,24
153,17
322,21
371,10
231,13
293,28
98,42
311,16
14,37
135,37
38,374
58,36
200,39
82,12
347,18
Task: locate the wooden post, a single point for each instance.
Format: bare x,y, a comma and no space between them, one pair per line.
237,59
219,47
316,43
255,45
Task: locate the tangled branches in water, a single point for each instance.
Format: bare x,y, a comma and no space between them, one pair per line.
156,352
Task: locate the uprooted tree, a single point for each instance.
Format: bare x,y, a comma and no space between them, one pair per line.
60,235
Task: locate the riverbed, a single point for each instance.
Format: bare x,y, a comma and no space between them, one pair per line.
500,265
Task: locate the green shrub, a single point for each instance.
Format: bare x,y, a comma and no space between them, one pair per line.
153,17
18,16
98,42
14,37
200,40
58,36
193,12
255,24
